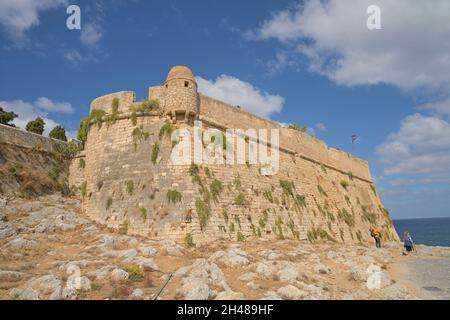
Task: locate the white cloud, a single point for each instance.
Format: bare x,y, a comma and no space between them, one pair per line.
28,111
410,51
18,16
237,92
47,104
438,108
421,147
90,34
321,127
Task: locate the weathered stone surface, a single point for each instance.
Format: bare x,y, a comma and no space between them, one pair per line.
11,276
119,274
232,258
291,292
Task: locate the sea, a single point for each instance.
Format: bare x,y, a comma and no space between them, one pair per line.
429,231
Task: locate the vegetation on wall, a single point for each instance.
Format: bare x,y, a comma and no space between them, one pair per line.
189,240
166,130
155,152
240,199
139,135
109,203
345,216
96,117
203,212
130,186
173,196
216,187
344,184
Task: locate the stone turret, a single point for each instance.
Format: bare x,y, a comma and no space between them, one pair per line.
181,99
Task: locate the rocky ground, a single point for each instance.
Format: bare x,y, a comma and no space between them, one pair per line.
49,250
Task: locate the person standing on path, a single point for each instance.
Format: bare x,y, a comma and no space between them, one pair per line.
375,233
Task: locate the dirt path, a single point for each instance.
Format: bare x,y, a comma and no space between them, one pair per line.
428,275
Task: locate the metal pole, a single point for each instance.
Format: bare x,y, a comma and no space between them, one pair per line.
169,277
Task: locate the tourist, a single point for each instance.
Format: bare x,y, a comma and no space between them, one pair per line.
408,242
375,233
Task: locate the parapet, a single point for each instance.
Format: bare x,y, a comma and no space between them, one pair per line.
126,99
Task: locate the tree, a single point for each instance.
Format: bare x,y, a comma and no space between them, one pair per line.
36,126
83,131
7,117
59,133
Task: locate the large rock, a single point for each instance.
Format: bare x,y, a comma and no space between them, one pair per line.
11,276
289,272
24,294
119,274
6,230
229,295
232,258
193,289
21,243
46,285
290,292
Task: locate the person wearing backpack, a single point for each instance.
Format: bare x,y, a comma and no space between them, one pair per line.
408,242
376,234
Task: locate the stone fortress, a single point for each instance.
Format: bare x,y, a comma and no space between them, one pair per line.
127,181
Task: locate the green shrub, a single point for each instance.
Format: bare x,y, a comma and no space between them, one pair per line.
193,170
155,152
135,272
240,199
225,215
81,163
348,218
321,191
203,212
173,196
216,187
296,127
139,135
83,131
143,213
300,201
232,227
130,186
268,195
350,175
207,172
344,184
237,183
189,240
166,130
240,237
109,203
288,187
96,117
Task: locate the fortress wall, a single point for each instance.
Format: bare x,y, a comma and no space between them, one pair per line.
76,170
112,161
303,144
158,92
126,99
231,116
20,137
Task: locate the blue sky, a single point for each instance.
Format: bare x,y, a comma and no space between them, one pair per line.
309,62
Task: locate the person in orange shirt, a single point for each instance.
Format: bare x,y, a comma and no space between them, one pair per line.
375,233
